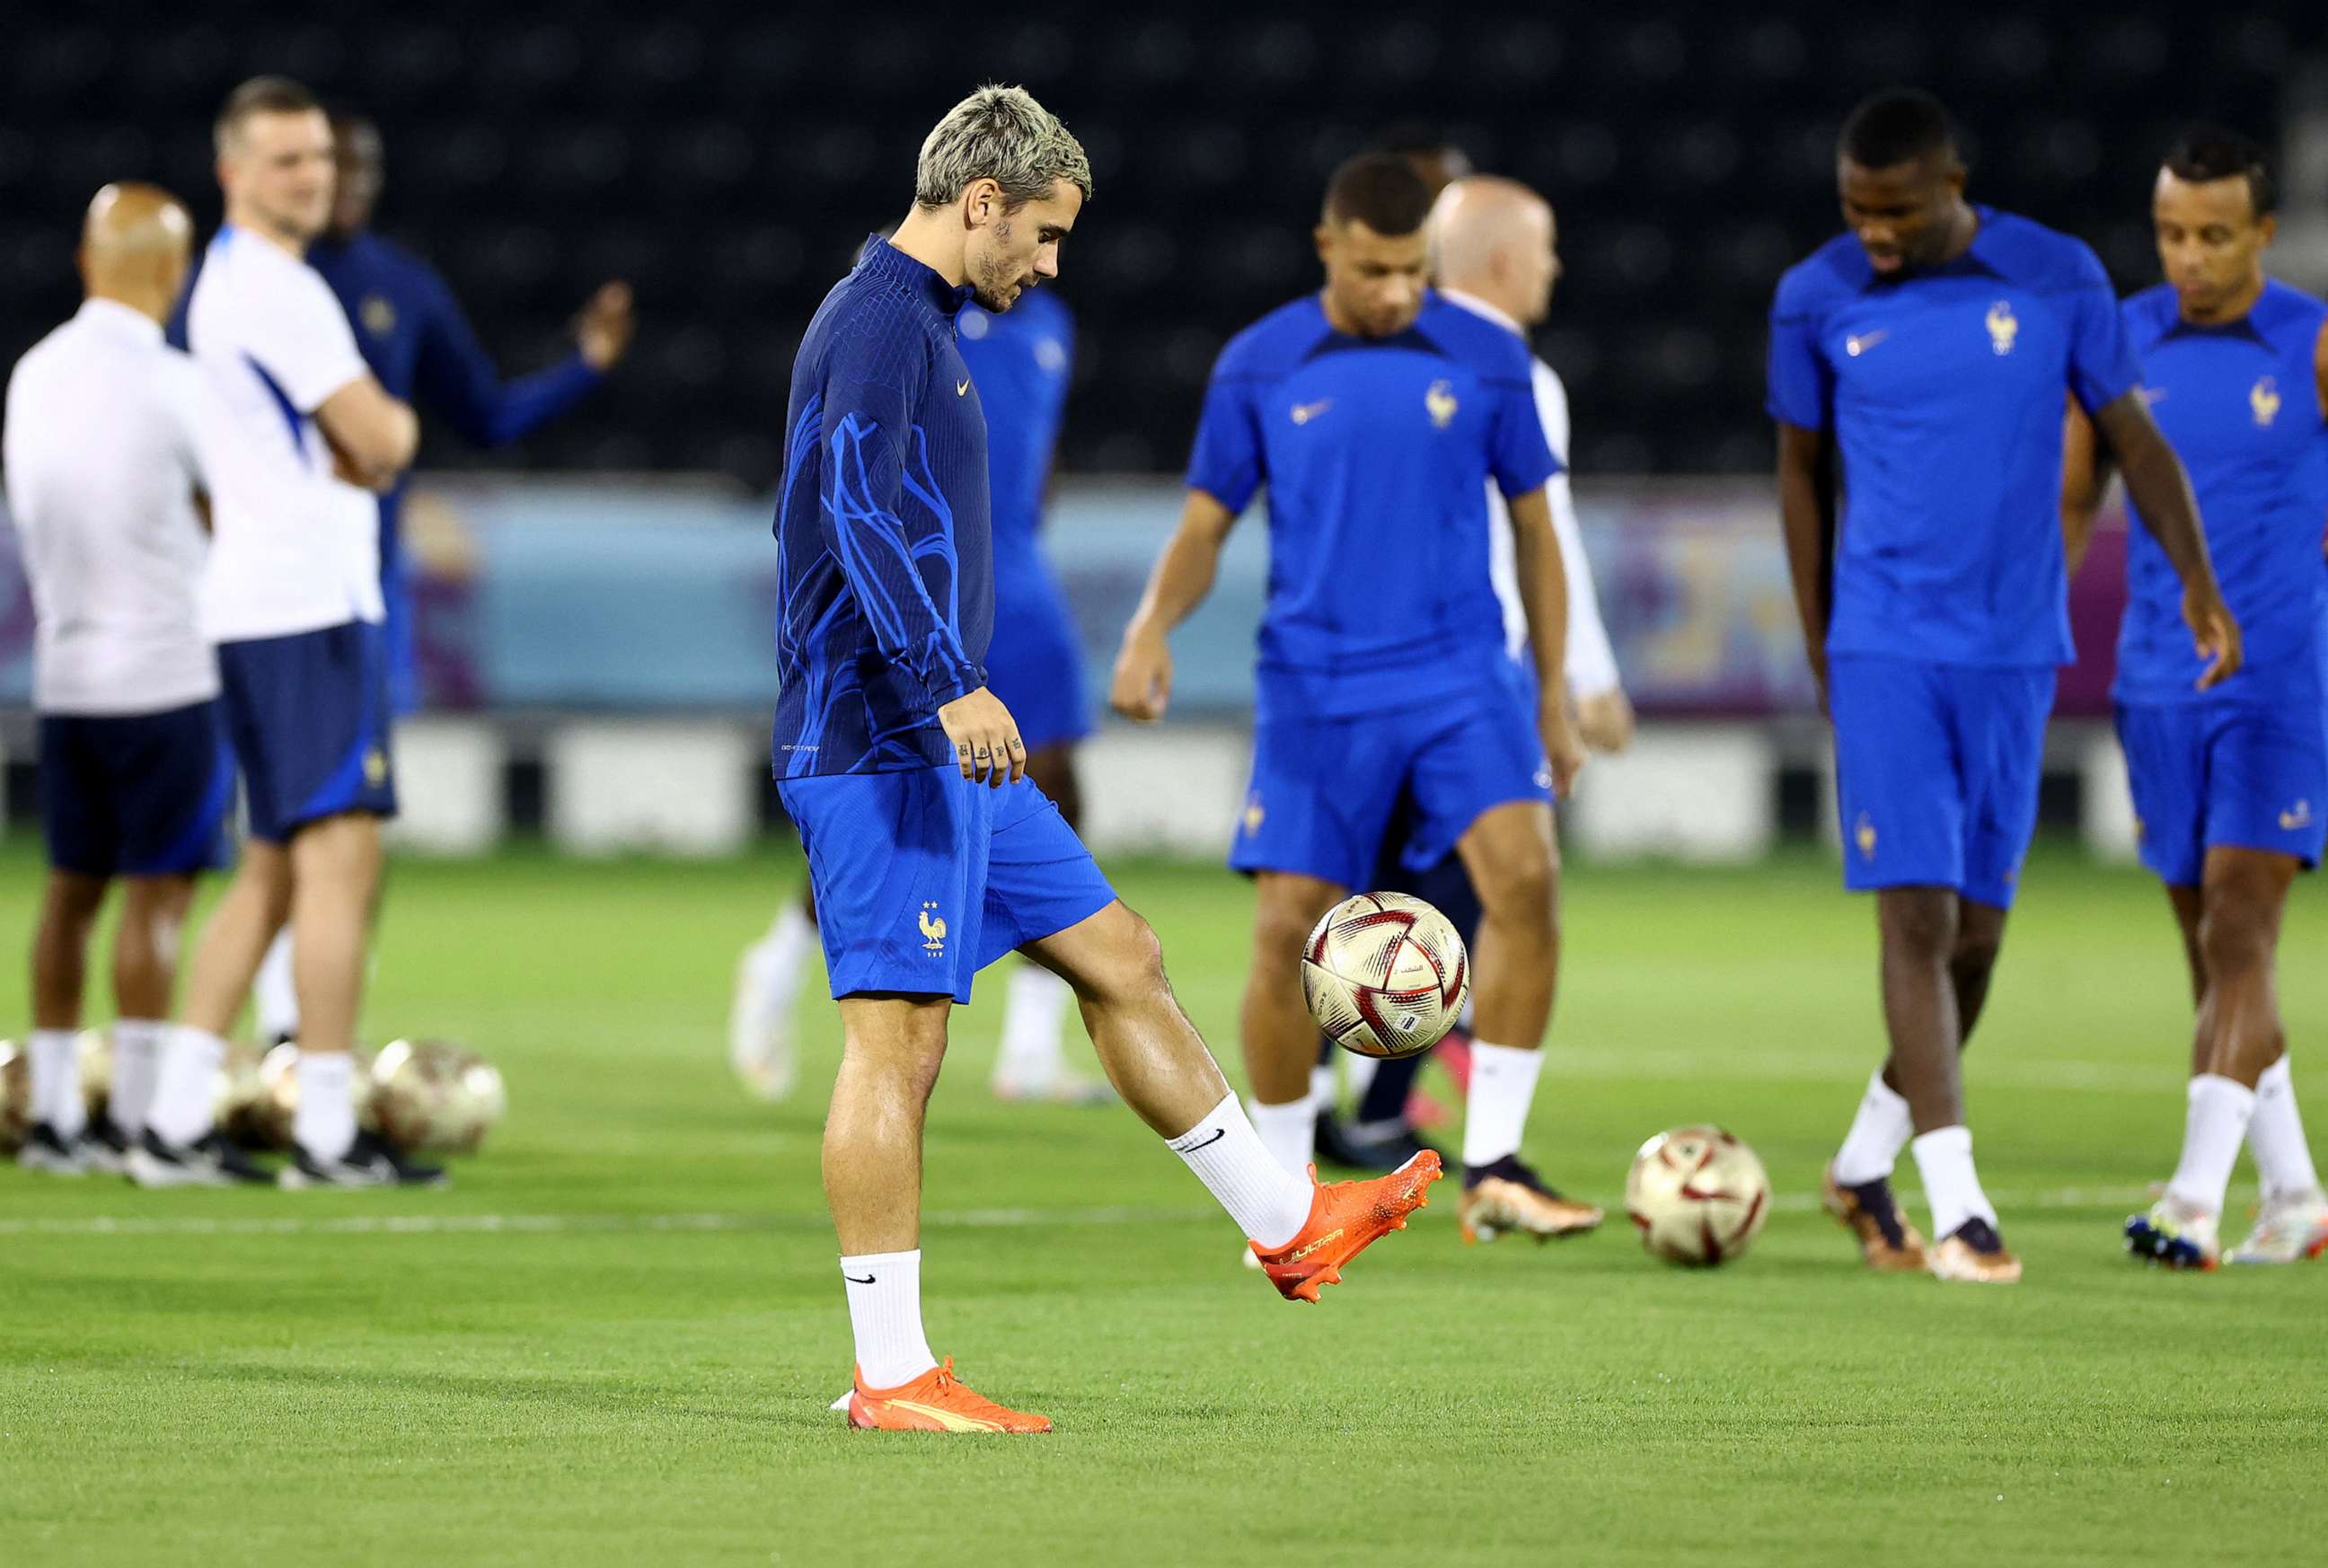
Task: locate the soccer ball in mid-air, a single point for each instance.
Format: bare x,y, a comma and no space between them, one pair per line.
1697,1194
1384,974
435,1095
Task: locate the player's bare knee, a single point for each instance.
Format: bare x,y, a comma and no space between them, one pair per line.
1525,895
1920,922
2234,938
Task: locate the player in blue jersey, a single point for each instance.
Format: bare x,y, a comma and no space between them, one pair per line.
1927,355
419,345
1377,414
1020,361
2230,784
930,851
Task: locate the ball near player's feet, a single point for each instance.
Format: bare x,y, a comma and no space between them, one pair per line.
1384,974
1698,1195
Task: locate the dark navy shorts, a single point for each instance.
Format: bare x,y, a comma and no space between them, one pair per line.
1937,768
924,878
2244,775
145,794
308,717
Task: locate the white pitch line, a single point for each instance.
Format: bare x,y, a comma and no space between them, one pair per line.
2062,1198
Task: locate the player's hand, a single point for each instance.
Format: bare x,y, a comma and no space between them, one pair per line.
1143,687
1605,720
1564,749
985,744
603,329
2214,632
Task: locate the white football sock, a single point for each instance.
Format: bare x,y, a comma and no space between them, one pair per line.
2276,1135
1879,1130
1289,1133
1269,1202
1358,1074
782,955
325,1122
1951,1185
1496,1111
182,1086
274,999
1034,1027
1322,1096
137,1058
56,1081
885,1309
2212,1130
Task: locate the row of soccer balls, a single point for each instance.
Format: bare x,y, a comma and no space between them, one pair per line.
417,1094
1385,975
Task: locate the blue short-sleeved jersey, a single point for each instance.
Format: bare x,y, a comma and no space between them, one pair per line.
2239,403
884,554
1375,453
1945,390
1020,360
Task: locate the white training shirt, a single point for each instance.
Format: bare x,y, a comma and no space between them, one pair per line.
295,548
104,453
1590,665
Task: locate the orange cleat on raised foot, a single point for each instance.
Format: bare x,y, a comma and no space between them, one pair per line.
1345,1219
934,1402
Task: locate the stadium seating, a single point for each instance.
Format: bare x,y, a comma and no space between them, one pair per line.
727,157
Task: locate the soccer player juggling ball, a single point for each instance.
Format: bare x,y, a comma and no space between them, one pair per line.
931,854
1377,413
1928,353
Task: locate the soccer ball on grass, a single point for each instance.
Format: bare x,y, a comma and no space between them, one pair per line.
1697,1194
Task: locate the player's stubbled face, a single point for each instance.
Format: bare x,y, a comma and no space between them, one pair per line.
2210,240
1374,281
281,164
1900,215
1019,249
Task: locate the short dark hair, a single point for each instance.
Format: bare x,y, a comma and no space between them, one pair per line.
261,95
2204,154
1899,125
1381,190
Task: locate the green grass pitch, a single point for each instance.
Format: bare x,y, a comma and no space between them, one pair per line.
613,1340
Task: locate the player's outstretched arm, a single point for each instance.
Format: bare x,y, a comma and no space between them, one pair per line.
2085,478
457,378
2161,491
1142,686
1806,517
1543,583
373,435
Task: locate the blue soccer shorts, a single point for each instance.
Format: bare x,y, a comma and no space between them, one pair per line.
1324,790
145,794
1937,767
1034,663
923,879
2243,776
308,716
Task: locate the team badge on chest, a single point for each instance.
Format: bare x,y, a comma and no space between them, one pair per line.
2003,328
2264,398
1441,401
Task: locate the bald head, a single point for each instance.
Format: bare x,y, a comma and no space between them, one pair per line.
1494,239
135,244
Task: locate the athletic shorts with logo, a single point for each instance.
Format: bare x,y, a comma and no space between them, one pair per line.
2240,774
144,794
1937,768
925,877
308,715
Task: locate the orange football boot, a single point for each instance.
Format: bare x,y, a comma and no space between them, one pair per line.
1345,1218
934,1402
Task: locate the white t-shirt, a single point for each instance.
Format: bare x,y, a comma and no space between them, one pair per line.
1590,664
104,450
294,550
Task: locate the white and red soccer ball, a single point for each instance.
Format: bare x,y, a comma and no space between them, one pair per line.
1697,1194
1384,974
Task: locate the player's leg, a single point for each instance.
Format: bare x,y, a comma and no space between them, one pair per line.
335,864
768,981
69,908
1046,899
1032,1064
146,948
274,993
1279,1037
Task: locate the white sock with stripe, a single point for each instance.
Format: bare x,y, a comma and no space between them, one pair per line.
2275,1135
885,1312
2213,1128
1269,1202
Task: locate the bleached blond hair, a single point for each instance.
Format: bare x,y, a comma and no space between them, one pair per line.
1000,134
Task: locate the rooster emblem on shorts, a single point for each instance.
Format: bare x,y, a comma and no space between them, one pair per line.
932,930
1440,401
2003,328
